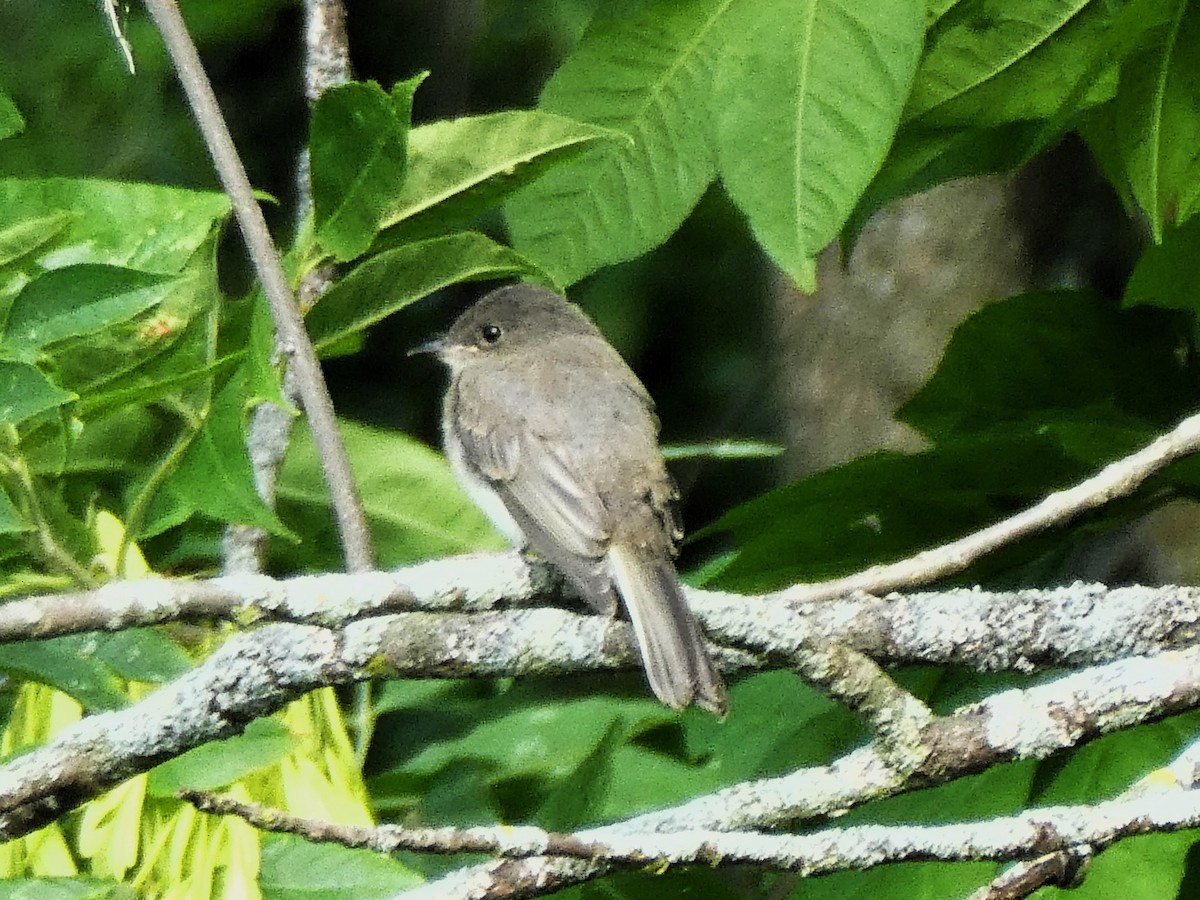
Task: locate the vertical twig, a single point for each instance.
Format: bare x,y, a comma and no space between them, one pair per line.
326,63
289,327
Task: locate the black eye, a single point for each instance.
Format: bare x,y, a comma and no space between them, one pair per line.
491,333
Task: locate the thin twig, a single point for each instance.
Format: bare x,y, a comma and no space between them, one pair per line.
1064,867
1023,724
1033,832
326,63
290,332
1118,479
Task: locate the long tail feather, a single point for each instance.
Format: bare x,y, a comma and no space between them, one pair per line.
672,648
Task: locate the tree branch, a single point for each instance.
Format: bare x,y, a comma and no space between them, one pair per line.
1054,830
255,673
1117,479
990,631
326,63
290,333
1064,867
1016,724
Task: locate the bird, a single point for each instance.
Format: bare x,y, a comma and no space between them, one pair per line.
556,440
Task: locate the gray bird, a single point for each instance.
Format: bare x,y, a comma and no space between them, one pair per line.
556,440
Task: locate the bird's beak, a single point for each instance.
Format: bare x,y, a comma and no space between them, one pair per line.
434,347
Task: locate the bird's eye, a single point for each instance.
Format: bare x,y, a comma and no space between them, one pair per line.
491,333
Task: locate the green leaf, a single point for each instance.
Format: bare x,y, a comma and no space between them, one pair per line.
390,281
10,117
986,63
24,237
647,73
68,664
114,223
214,476
525,740
263,375
76,301
809,99
1146,867
1147,136
170,350
886,506
296,869
358,147
1065,354
10,518
143,654
574,799
415,508
462,167
1166,275
682,758
25,392
220,763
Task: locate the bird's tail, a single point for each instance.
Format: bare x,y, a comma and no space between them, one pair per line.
672,648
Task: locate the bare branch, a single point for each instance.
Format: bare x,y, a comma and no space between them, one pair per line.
255,673
1038,831
326,63
1017,724
290,332
1065,867
992,631
1118,479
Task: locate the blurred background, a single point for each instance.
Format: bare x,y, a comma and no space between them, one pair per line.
724,344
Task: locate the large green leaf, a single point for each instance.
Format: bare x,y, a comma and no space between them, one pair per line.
886,506
24,237
414,506
171,350
1146,138
809,98
462,167
150,352
63,889
114,223
10,517
1063,354
647,73
390,281
77,301
990,63
143,654
358,148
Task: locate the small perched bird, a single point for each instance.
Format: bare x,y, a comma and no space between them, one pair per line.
556,440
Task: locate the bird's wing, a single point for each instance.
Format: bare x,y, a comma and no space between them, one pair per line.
560,514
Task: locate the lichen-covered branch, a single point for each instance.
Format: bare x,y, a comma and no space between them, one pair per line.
1036,832
992,631
1016,724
